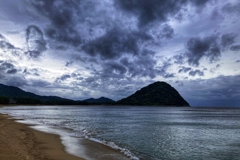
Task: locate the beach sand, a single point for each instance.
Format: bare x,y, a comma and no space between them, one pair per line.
19,142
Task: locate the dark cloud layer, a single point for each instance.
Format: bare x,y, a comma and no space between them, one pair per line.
33,71
155,10
210,47
231,8
195,72
235,48
116,43
141,66
198,48
62,78
7,68
63,21
179,59
184,69
227,40
167,32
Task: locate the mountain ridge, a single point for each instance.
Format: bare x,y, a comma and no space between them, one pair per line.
19,93
99,100
155,94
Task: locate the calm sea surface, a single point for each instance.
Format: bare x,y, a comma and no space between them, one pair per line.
146,133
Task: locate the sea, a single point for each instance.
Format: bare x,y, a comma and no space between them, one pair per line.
139,133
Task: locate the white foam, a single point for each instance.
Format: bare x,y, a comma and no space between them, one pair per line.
125,151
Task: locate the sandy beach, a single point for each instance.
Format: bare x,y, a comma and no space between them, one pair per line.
19,142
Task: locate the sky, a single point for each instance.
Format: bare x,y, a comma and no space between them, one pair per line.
80,49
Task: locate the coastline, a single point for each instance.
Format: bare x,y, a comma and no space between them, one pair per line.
19,141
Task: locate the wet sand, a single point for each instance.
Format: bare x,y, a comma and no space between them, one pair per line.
19,142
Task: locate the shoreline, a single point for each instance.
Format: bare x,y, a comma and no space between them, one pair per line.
19,141
28,141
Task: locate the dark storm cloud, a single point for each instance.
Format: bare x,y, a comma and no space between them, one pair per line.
161,32
115,43
162,70
167,31
235,48
7,67
179,59
169,75
155,10
184,69
227,40
114,67
216,14
12,71
237,61
198,47
231,8
35,41
62,78
33,71
142,67
129,69
199,3
209,47
195,72
77,76
62,15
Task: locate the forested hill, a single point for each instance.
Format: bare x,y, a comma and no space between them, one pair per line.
155,94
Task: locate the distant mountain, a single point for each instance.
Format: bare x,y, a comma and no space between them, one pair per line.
23,97
10,94
101,100
155,94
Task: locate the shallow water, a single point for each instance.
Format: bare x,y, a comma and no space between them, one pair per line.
147,133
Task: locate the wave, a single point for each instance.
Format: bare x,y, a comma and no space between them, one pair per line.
126,152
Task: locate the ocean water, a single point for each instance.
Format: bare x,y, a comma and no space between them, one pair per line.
145,133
